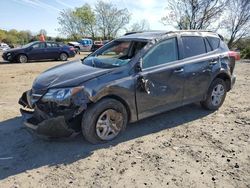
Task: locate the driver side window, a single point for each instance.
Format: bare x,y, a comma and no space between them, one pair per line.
162,53
39,45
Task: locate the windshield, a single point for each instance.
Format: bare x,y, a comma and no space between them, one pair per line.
28,45
115,54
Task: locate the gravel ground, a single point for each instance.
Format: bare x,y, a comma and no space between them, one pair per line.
185,147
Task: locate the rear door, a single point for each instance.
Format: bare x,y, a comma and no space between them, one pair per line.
160,83
197,67
52,50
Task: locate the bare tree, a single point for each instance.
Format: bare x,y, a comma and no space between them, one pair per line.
237,20
68,23
110,19
193,14
143,25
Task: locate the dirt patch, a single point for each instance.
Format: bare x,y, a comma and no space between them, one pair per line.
186,147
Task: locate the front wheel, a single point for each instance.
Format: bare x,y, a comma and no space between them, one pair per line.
104,121
216,95
22,58
63,57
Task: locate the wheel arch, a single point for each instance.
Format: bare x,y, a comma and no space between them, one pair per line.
64,53
119,99
22,53
224,76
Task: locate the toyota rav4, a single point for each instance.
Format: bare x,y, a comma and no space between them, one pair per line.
133,77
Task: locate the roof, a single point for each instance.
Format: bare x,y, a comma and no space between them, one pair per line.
149,35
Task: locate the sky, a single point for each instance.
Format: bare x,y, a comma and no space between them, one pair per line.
34,15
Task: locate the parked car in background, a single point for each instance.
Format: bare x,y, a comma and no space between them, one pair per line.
96,45
38,51
78,47
86,44
4,46
130,78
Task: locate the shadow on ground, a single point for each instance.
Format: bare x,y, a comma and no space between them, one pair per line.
21,151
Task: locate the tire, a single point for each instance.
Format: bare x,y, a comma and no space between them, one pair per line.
77,50
97,121
22,58
63,56
216,95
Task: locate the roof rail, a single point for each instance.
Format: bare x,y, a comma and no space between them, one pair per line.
146,31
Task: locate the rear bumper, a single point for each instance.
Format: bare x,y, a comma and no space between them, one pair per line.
72,54
233,80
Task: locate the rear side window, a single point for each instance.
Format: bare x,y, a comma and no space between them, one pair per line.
208,47
193,46
214,42
162,53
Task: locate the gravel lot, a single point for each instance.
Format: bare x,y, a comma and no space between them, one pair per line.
186,147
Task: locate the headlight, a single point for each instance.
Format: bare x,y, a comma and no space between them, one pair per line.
8,54
61,96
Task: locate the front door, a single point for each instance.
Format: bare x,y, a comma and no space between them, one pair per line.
38,51
161,81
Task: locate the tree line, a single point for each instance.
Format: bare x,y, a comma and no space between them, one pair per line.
104,20
231,17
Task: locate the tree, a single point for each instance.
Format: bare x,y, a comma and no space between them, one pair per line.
110,19
43,31
68,22
193,14
237,20
143,25
86,21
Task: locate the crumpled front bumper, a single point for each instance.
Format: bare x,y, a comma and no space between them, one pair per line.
51,126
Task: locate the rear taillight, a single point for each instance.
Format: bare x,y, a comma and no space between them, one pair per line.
72,49
235,55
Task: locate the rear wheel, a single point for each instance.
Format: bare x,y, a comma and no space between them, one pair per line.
22,58
216,95
104,121
63,56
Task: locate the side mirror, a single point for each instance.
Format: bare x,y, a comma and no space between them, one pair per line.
139,65
31,48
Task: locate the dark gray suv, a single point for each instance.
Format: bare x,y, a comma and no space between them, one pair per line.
130,78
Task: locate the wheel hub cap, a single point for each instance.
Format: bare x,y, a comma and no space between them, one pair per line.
217,94
109,124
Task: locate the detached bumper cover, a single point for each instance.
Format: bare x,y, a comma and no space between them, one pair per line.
49,125
53,127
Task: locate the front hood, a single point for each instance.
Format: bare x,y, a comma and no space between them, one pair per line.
66,75
13,50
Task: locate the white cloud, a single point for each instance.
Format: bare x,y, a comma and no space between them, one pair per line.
38,4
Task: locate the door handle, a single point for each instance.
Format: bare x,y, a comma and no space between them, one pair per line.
213,61
179,70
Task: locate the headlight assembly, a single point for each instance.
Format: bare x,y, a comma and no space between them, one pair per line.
64,96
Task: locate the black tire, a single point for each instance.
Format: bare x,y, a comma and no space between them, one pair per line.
63,56
93,114
77,50
22,58
209,102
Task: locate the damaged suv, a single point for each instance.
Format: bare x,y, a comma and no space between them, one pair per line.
133,77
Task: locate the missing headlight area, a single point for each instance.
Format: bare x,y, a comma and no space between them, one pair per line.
56,113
